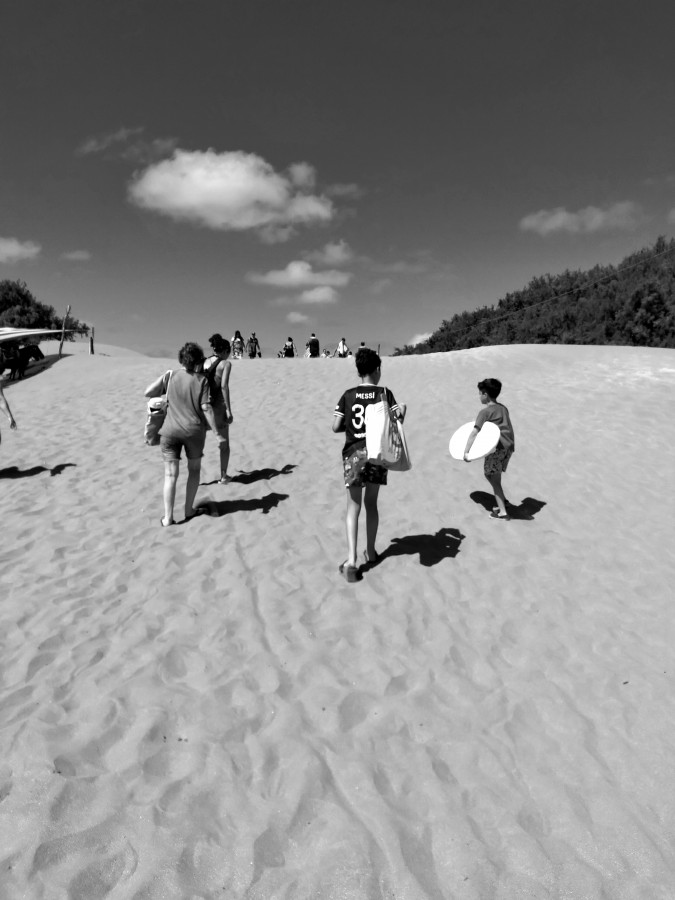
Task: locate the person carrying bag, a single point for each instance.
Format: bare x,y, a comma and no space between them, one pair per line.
386,444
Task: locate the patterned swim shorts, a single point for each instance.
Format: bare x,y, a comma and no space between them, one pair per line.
497,462
358,471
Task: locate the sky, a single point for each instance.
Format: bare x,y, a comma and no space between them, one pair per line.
366,169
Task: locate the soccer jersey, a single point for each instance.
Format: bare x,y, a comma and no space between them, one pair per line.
352,408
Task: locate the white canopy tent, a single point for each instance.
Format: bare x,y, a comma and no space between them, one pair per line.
22,334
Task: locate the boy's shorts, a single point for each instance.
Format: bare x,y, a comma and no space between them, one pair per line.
359,472
171,446
497,462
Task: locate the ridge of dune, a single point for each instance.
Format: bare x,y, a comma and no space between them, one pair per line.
211,711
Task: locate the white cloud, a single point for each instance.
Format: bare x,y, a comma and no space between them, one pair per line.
419,338
335,253
231,191
402,267
128,144
379,286
671,217
105,141
302,175
621,216
347,191
321,294
77,256
297,318
13,250
298,274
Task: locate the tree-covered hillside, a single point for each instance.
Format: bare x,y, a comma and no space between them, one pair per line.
20,309
632,303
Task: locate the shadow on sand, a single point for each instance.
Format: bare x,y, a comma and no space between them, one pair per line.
257,475
431,548
218,508
36,368
16,472
526,510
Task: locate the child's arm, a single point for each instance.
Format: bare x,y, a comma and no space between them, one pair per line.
339,415
469,443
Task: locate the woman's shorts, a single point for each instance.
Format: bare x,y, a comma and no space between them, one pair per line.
359,472
497,462
171,446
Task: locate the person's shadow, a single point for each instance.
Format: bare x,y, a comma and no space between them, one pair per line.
526,510
16,472
218,508
432,548
257,475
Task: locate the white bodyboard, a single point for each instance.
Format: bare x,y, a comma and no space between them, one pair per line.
486,441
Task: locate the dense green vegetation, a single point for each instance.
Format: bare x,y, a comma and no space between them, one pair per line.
20,309
632,303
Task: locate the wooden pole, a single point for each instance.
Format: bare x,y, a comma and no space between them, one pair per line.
91,342
63,330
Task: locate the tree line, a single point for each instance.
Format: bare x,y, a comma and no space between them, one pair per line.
20,309
632,303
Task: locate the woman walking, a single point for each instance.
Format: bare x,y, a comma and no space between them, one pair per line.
189,410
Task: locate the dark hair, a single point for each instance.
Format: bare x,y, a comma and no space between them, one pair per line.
219,343
367,361
237,334
491,386
190,355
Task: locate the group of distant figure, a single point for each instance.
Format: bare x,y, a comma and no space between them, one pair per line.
241,349
313,350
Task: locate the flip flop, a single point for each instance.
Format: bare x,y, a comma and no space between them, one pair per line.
496,515
349,573
368,560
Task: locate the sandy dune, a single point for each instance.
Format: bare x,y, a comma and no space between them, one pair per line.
210,711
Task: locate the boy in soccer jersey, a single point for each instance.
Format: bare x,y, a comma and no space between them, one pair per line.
497,461
350,417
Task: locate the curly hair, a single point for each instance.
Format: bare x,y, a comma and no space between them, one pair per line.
491,386
190,355
367,361
219,343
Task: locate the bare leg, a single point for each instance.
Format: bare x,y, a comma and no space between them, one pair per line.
224,448
352,522
372,519
496,485
194,468
171,467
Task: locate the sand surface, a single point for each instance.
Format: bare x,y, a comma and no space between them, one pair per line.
210,711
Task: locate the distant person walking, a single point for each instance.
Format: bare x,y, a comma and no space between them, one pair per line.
497,461
289,348
237,343
188,412
4,405
312,346
341,350
253,346
217,370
